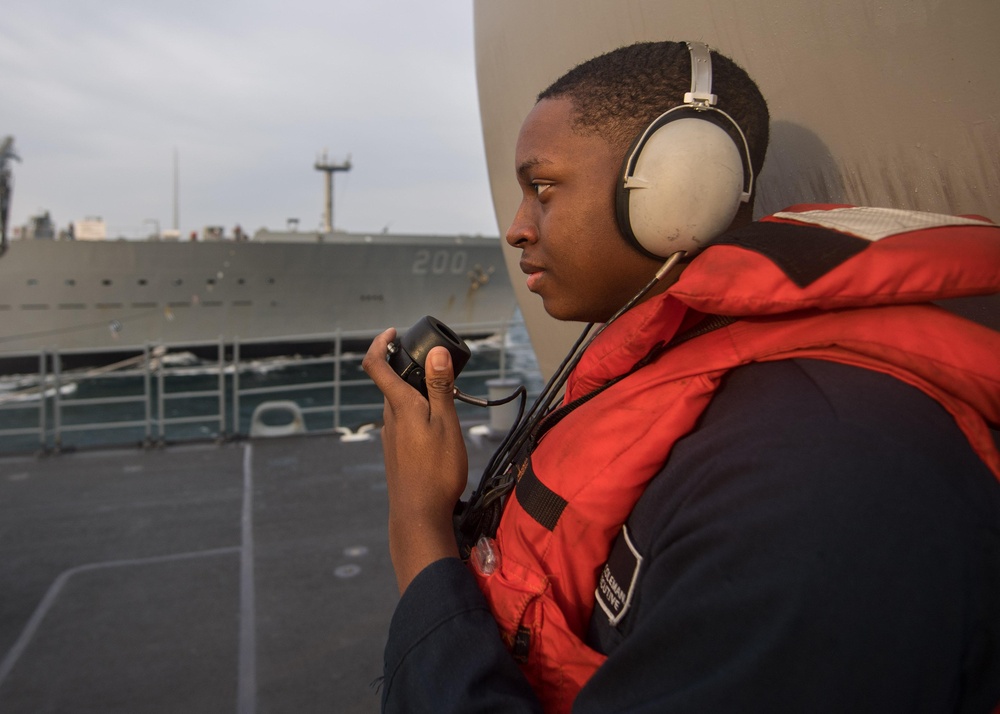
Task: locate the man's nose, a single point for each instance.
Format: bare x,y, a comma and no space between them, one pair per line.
523,229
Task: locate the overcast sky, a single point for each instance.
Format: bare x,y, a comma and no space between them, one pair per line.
99,95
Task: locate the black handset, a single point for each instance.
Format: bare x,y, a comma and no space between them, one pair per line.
407,354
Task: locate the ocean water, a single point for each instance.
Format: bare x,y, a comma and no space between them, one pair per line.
124,407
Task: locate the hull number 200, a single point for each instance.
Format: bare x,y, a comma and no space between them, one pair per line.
440,262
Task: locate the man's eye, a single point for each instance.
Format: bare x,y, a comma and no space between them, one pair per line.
539,187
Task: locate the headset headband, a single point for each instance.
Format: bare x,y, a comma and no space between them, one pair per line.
699,99
701,77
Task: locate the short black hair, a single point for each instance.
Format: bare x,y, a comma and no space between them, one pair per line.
618,94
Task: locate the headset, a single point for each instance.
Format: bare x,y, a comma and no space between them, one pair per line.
684,177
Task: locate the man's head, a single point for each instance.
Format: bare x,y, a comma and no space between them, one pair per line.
569,160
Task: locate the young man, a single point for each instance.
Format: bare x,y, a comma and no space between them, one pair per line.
772,484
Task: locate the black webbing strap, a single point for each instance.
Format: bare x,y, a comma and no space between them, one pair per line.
539,501
804,253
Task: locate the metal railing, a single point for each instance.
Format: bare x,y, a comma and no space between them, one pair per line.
159,395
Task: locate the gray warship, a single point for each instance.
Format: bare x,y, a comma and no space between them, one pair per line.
105,295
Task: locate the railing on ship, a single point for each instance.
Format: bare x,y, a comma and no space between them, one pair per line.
157,395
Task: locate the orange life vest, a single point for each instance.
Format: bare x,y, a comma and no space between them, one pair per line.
858,294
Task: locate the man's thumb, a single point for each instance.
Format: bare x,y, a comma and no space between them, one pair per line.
439,377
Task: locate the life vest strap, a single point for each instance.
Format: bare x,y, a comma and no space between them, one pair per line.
539,501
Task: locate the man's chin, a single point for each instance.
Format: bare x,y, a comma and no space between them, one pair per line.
563,312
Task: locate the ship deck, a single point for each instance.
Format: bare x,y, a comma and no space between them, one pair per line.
242,577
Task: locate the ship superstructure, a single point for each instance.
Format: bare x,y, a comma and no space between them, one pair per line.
114,294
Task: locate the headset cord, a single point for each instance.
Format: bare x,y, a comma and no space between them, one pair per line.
481,515
474,517
554,387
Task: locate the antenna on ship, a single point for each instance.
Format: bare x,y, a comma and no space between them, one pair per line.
177,209
323,164
6,187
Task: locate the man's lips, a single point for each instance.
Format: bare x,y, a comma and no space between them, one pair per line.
533,271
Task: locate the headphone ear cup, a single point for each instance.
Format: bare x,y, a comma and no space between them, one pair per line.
682,189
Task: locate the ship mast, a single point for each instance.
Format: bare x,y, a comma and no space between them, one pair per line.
323,164
6,187
177,210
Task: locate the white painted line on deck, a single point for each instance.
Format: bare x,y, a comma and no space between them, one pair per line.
52,594
247,678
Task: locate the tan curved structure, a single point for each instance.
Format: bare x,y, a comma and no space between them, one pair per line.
894,103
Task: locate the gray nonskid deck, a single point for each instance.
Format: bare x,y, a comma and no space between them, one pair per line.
248,577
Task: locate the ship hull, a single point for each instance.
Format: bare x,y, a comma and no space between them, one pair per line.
81,296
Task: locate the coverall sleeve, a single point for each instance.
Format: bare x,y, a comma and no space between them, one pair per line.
444,652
